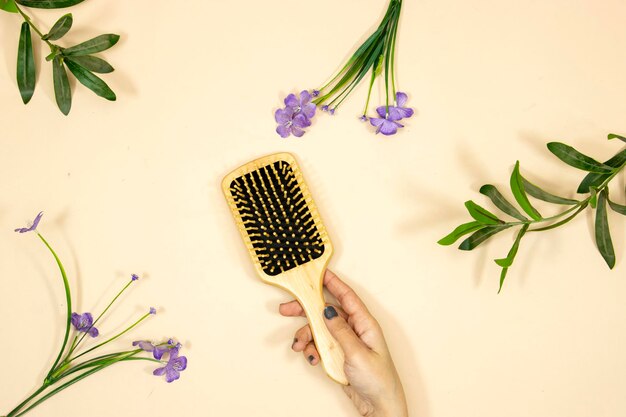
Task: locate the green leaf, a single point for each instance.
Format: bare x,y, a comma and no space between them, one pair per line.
25,64
49,4
614,136
603,234
517,187
60,28
501,202
506,263
618,208
97,44
481,214
543,195
576,159
594,180
481,235
8,6
460,231
92,63
62,90
89,80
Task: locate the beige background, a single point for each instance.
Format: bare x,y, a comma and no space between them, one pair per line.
133,186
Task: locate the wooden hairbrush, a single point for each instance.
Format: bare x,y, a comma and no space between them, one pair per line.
286,239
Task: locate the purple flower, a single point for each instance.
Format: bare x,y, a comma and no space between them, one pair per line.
302,104
363,118
325,107
290,123
134,277
157,350
33,226
152,311
144,345
315,93
387,123
175,365
84,323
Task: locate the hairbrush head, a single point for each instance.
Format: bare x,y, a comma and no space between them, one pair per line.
276,214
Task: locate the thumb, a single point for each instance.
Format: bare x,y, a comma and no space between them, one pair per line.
343,333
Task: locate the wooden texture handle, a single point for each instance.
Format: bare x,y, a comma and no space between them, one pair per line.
305,283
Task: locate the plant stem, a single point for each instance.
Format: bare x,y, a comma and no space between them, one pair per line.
579,207
28,20
112,338
74,346
69,383
68,299
27,400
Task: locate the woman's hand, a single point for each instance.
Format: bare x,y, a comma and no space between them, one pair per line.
375,388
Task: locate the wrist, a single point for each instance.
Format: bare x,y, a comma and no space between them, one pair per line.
393,404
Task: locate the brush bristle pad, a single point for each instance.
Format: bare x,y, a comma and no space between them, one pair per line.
277,218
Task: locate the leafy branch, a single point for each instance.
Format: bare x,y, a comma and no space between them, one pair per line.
595,184
78,59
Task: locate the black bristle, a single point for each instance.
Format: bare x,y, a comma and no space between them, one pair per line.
277,218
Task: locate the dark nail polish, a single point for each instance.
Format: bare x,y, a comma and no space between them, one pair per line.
330,312
311,358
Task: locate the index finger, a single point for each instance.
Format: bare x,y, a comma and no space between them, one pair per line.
348,299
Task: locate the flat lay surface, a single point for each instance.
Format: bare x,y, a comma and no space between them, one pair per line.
135,187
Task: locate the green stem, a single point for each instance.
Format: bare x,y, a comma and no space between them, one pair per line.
112,338
28,20
68,299
27,400
66,385
578,207
393,51
369,92
98,318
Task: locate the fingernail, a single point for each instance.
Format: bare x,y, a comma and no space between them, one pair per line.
311,358
295,340
330,312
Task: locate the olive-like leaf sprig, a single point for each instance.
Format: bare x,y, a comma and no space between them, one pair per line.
78,58
595,184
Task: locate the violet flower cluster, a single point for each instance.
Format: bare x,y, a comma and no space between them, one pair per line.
375,56
72,363
296,115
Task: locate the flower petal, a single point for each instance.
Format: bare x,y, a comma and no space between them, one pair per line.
389,127
292,101
171,374
305,98
382,111
297,132
159,351
301,121
180,363
405,112
401,99
144,345
159,371
282,116
93,332
88,319
283,131
309,110
75,320
376,121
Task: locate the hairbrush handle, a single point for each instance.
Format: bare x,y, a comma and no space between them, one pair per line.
305,283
